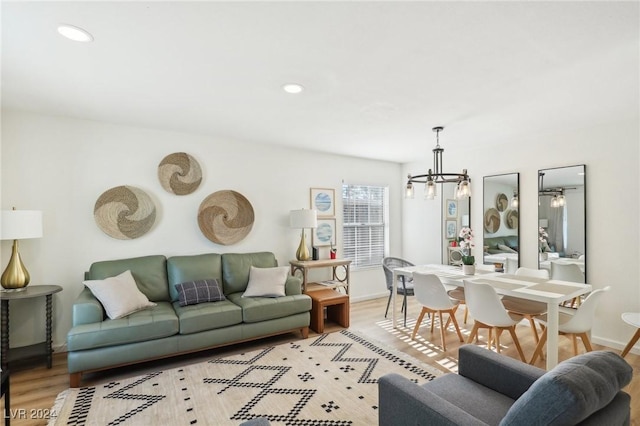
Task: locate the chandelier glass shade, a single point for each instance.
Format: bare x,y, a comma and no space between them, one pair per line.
436,175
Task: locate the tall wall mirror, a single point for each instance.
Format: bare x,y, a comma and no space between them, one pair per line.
562,218
500,224
455,215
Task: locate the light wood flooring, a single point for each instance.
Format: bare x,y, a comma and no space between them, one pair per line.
35,389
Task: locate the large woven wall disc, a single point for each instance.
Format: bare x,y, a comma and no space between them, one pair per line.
179,173
125,212
225,217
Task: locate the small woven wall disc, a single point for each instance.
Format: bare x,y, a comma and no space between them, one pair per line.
225,217
179,173
125,212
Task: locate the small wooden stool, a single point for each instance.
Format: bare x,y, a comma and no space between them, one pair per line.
337,305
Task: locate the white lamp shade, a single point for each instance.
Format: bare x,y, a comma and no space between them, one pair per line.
465,220
303,219
20,224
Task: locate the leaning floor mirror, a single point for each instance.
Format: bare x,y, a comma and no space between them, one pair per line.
501,229
455,216
562,219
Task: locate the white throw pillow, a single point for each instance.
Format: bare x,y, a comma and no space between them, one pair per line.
506,249
119,295
266,282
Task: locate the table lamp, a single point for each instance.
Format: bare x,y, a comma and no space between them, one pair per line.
18,225
302,219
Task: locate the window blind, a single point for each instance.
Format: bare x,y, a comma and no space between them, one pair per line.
364,224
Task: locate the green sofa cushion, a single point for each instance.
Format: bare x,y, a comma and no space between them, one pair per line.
181,269
207,316
256,309
150,324
236,266
150,273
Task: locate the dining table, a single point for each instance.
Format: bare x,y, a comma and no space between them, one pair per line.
551,292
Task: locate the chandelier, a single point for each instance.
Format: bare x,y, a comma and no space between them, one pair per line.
435,175
557,194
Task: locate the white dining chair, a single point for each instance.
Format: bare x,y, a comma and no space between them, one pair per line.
568,272
487,311
432,295
573,323
529,309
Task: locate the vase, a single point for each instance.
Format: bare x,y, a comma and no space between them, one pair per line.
543,256
469,269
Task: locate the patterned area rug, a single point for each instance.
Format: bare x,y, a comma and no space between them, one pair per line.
330,379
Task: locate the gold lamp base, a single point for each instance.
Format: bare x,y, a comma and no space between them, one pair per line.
303,251
15,276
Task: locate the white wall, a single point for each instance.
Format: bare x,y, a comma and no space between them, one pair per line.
611,155
61,166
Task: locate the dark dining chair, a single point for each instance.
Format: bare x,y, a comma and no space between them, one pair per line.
405,285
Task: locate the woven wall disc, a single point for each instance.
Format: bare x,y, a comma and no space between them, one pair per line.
125,212
179,173
225,217
491,221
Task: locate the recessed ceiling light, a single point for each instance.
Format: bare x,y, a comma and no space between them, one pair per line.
293,88
74,33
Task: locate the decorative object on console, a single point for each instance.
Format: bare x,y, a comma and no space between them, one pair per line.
124,212
325,233
303,219
502,202
18,225
225,217
491,220
436,175
179,173
466,243
543,245
323,201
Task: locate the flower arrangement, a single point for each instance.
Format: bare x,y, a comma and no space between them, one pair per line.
466,243
543,245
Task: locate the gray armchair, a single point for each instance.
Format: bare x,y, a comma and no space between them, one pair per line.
492,389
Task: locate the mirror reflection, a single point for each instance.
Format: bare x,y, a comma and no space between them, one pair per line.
562,222
501,236
455,216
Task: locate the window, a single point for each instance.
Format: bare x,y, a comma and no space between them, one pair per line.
364,224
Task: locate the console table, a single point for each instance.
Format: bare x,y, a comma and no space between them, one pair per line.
338,279
39,350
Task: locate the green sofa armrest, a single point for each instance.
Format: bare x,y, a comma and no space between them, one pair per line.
293,285
86,309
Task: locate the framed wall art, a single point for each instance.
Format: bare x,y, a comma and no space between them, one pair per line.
452,209
451,229
323,201
325,233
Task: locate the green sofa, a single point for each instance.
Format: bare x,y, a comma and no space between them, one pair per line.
492,244
96,342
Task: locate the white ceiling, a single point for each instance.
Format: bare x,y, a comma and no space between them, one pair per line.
378,75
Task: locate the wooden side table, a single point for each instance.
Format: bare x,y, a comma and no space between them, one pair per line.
336,304
338,280
5,391
38,350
